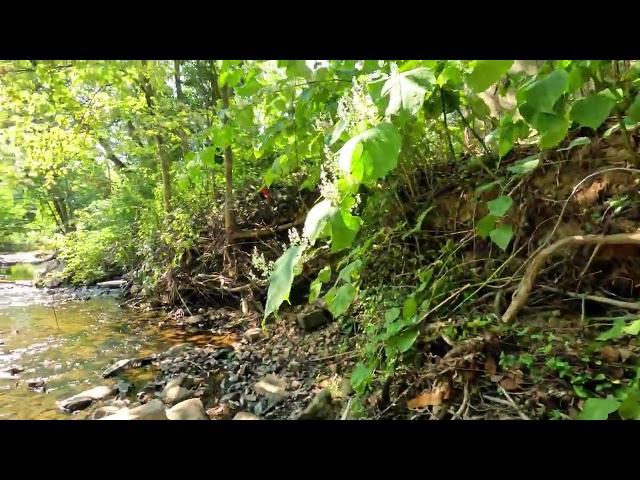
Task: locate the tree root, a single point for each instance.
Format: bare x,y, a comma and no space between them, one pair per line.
528,280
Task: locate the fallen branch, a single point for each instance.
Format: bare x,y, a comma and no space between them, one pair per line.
595,298
263,232
528,279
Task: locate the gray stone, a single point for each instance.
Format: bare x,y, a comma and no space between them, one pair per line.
103,412
312,319
194,320
272,387
246,416
230,397
176,350
191,409
86,398
253,334
320,408
174,393
154,410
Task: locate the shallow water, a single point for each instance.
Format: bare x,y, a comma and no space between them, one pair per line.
68,346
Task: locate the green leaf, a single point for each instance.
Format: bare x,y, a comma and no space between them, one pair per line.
314,290
500,205
324,275
360,377
501,236
409,308
524,166
390,315
347,273
281,279
630,407
575,80
598,408
298,68
487,72
592,111
317,219
372,154
405,340
542,94
337,131
344,228
634,109
343,299
408,90
616,331
485,226
576,142
633,328
552,129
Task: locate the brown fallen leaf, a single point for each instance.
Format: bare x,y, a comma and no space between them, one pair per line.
609,353
430,398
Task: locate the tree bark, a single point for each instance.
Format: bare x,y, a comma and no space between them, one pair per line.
228,175
177,79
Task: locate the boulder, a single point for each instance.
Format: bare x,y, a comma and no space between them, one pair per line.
191,409
194,320
86,398
175,391
154,410
314,318
246,416
272,387
103,412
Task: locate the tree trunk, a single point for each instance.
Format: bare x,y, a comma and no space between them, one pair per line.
177,79
229,224
165,168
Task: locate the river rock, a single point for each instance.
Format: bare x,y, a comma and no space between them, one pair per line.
37,384
272,387
176,350
320,408
191,409
112,284
253,334
86,398
314,318
246,416
194,320
124,365
154,410
174,392
104,411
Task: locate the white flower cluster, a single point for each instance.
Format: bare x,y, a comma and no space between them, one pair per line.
356,108
260,263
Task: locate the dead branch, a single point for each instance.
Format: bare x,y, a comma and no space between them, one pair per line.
528,279
595,298
263,232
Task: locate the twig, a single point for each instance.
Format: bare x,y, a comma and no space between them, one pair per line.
321,359
530,275
464,406
514,404
595,298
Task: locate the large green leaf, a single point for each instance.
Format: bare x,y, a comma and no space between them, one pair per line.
630,407
485,226
405,340
281,279
360,377
350,271
633,328
593,110
634,109
317,219
616,331
552,128
487,72
410,307
500,205
408,90
542,94
501,236
344,228
598,408
343,299
372,154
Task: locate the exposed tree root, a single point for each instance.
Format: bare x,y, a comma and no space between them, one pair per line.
595,298
528,280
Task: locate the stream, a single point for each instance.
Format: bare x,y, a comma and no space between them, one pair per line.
66,344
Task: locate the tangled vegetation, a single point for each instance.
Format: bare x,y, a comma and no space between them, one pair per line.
472,224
